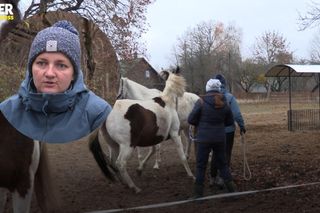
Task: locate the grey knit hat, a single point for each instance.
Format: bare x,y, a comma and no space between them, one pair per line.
213,84
61,37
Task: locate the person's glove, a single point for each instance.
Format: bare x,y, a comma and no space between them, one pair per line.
242,130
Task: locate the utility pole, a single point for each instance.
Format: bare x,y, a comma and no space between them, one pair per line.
230,72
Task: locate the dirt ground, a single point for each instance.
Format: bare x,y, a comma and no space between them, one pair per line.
276,158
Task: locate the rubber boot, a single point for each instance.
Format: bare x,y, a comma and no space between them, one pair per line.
197,191
231,186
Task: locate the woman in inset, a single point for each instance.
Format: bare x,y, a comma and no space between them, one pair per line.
53,104
210,115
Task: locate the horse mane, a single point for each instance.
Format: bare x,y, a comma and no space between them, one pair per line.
175,87
129,82
137,90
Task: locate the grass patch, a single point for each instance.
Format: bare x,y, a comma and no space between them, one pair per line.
271,107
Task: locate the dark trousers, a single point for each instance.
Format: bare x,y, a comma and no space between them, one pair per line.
229,146
220,162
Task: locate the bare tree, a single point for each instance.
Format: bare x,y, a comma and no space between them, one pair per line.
308,20
249,74
7,26
315,49
311,18
123,21
203,51
269,49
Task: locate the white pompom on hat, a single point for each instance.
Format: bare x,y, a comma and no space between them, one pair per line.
213,85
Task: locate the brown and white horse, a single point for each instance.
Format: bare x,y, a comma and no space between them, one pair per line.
142,123
132,90
23,168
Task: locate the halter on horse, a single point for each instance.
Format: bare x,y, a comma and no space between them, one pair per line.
135,123
24,168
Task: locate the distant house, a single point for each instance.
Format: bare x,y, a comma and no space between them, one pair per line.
140,71
258,88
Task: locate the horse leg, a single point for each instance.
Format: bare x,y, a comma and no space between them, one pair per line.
21,204
152,150
182,155
187,141
158,157
124,155
3,198
44,186
139,156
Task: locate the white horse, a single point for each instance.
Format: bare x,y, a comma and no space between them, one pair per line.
132,90
141,123
24,168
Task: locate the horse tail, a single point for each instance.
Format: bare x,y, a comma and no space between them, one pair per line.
113,146
175,87
45,189
104,164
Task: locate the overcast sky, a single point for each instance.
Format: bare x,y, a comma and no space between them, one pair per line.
170,19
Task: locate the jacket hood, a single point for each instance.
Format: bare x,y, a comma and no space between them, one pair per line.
55,118
46,103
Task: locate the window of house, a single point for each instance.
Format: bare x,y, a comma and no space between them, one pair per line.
147,73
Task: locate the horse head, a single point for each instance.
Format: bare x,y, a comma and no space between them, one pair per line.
165,74
175,85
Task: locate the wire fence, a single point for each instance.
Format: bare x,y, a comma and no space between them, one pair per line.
304,119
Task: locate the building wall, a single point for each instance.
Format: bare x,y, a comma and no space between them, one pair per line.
143,73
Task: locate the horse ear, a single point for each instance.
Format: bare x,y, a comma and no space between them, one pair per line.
164,75
177,70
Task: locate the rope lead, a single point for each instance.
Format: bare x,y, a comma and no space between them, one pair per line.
246,169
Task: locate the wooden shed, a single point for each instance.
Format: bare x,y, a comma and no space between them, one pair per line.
140,71
299,119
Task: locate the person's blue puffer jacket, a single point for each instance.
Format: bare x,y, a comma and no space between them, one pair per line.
210,115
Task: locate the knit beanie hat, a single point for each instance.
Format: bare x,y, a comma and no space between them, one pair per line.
61,37
213,84
221,78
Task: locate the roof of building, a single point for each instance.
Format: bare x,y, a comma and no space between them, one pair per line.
292,70
127,65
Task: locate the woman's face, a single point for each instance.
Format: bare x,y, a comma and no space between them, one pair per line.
52,73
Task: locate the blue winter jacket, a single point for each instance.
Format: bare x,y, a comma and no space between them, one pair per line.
210,115
232,102
55,118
